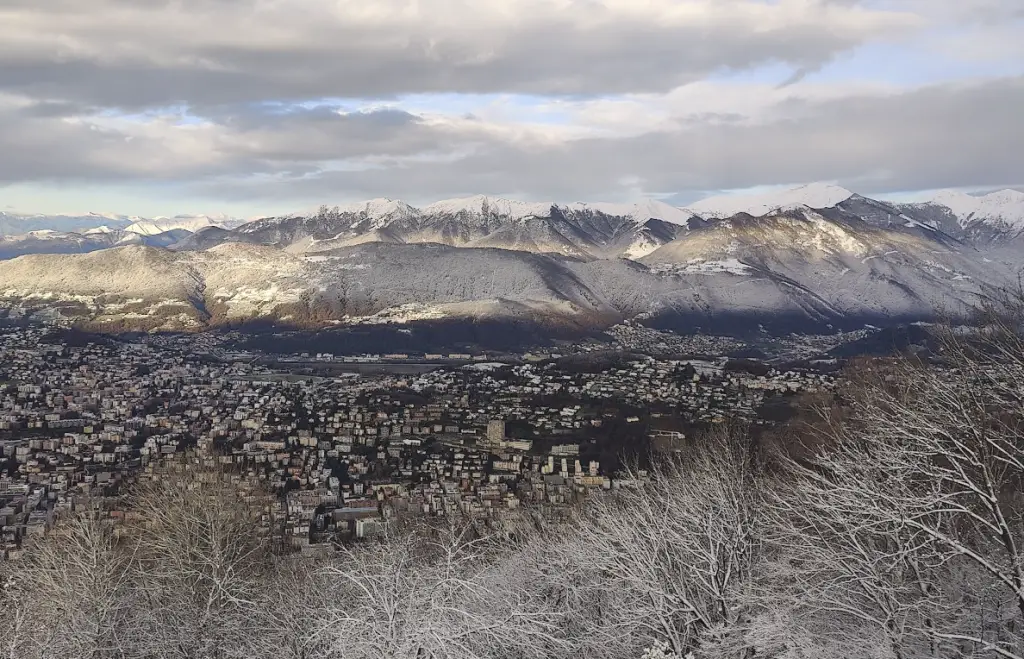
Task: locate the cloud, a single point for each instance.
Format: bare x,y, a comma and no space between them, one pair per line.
174,148
874,141
872,138
267,102
975,12
151,53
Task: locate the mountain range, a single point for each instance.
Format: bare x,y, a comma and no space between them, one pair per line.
816,256
70,234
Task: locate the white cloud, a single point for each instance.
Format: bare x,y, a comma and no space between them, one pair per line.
203,52
700,137
577,99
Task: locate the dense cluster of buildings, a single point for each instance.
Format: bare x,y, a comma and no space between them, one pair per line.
80,420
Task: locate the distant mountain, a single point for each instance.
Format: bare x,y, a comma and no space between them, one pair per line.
816,256
889,216
48,241
190,223
204,238
829,264
980,220
649,209
815,195
578,230
1004,208
791,269
61,234
986,220
13,224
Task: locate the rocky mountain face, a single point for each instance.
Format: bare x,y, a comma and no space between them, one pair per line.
828,264
841,260
578,230
994,219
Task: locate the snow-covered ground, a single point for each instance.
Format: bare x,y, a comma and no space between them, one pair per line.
700,267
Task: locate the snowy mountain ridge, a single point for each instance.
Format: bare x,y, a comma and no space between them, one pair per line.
585,230
813,195
1004,207
794,268
512,209
17,224
484,205
192,223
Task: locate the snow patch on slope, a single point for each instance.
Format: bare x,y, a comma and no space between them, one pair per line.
400,315
642,211
701,267
640,248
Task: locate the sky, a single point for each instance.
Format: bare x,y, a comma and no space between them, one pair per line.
256,107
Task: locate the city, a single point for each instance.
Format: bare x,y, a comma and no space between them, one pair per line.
82,419
511,329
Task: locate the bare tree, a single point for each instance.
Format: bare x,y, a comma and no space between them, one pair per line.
849,570
668,558
201,550
910,517
290,619
15,629
73,595
433,592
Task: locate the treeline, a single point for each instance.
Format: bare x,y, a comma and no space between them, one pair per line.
885,523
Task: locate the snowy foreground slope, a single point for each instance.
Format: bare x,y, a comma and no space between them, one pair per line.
789,268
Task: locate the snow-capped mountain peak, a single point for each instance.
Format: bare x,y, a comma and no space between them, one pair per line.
813,195
647,209
484,205
658,210
190,223
381,207
98,230
1004,207
113,216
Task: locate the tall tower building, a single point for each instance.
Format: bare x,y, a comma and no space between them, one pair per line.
495,430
